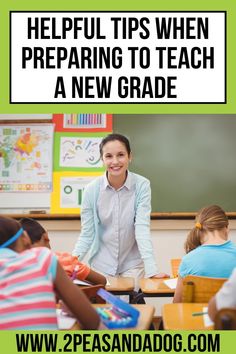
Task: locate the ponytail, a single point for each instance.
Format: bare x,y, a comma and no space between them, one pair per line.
209,218
193,240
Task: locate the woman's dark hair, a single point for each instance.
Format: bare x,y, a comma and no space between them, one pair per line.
112,137
209,218
8,228
33,228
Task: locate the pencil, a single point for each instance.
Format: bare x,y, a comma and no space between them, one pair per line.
74,273
199,313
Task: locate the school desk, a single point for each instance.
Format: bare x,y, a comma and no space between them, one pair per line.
180,316
144,321
121,286
155,288
116,286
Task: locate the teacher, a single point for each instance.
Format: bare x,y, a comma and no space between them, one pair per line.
115,217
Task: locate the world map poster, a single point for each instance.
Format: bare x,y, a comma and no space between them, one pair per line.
26,158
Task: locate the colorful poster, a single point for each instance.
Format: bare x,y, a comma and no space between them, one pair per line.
80,152
77,152
26,158
82,122
68,188
71,191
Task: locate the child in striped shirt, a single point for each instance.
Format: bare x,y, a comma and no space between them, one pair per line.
28,278
39,238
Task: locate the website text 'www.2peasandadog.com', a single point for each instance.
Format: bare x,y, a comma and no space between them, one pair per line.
114,342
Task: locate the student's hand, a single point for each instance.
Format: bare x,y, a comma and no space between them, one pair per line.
160,276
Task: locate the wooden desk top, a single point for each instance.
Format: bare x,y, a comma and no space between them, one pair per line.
154,286
120,284
144,321
179,316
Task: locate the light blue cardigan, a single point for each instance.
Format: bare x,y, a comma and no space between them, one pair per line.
89,236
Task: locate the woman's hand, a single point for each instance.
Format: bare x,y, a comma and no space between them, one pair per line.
160,276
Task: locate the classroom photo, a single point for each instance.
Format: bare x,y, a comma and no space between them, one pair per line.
117,221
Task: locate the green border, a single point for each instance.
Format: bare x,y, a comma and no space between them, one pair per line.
185,5
56,151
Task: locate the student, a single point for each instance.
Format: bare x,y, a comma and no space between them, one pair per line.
226,297
39,238
27,281
115,217
209,252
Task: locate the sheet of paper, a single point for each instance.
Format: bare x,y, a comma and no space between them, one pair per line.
81,282
207,321
171,283
64,322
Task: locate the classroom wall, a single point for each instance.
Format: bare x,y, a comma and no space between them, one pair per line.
168,237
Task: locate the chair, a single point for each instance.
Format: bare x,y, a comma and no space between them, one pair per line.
91,293
175,262
200,289
225,319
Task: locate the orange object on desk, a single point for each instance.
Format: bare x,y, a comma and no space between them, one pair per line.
69,263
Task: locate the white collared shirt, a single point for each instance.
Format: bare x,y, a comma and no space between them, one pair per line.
118,250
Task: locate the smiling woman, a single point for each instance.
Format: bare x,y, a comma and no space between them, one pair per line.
115,217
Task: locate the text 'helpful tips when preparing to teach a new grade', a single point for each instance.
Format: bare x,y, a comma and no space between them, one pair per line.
118,57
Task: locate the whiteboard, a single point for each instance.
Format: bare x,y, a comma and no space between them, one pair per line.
24,202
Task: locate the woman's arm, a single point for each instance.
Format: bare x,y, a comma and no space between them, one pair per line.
75,300
142,229
87,233
160,276
142,226
179,290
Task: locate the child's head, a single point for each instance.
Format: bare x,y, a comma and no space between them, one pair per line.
12,235
209,219
37,234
